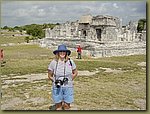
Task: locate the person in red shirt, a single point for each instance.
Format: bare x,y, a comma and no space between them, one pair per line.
2,58
1,55
79,50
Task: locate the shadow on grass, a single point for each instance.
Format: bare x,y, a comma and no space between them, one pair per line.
52,107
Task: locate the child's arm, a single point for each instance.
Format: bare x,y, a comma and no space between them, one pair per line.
74,73
50,75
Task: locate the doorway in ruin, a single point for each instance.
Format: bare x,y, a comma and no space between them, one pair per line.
84,33
98,33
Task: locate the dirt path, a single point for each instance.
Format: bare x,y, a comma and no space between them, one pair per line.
37,77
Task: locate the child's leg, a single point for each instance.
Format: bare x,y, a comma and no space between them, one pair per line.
68,97
57,97
59,106
66,106
78,55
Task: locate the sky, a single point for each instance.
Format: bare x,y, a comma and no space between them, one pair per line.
19,13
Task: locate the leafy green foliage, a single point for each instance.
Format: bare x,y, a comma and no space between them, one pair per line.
5,27
35,30
28,38
141,24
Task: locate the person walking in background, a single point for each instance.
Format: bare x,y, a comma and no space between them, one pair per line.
2,58
62,71
79,51
1,55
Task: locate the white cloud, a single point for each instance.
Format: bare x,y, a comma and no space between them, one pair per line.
103,8
20,13
24,12
41,12
134,9
115,5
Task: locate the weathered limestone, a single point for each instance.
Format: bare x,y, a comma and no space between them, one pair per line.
101,36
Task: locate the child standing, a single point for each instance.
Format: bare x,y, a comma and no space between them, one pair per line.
62,71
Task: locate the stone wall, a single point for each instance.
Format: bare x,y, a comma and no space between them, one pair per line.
100,36
98,49
96,28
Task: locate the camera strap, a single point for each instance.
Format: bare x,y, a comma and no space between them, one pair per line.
64,69
65,66
70,62
55,70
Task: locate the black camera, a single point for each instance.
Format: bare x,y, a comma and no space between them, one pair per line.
65,80
59,83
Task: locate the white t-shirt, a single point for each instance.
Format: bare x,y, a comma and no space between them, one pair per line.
61,70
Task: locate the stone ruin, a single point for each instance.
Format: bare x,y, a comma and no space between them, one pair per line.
99,36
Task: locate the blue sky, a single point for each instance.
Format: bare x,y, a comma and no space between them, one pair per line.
17,13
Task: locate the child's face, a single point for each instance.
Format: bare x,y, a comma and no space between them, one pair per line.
62,54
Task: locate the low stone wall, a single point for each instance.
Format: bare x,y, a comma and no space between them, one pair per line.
99,49
118,49
117,52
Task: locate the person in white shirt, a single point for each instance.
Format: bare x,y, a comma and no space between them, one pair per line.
62,71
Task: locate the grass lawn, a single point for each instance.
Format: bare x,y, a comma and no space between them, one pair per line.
11,39
25,59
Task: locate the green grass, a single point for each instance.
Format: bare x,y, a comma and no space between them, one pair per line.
11,39
26,59
125,63
108,91
26,52
130,59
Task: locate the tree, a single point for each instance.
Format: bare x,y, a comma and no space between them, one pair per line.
141,24
5,27
16,28
11,29
35,30
45,25
27,39
57,24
